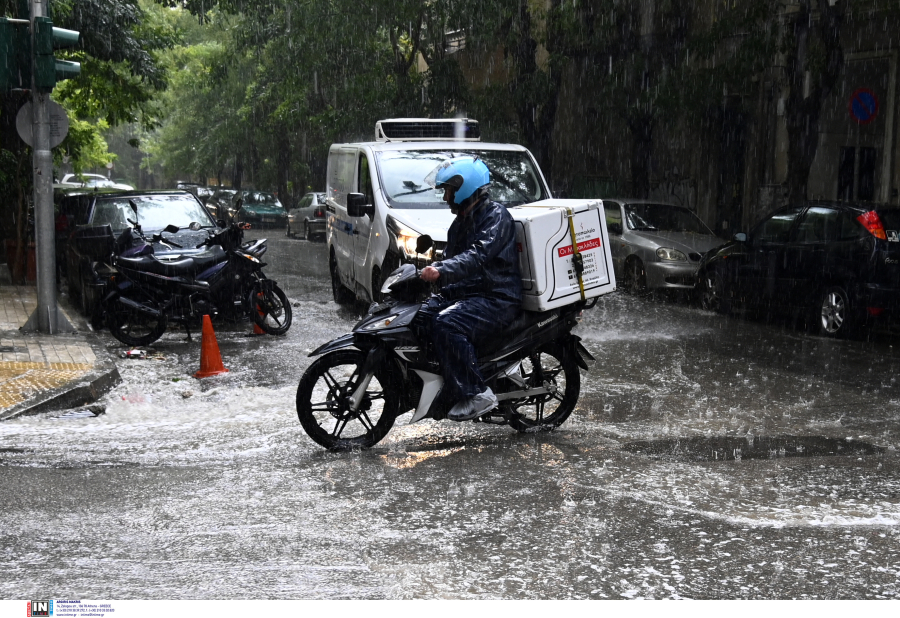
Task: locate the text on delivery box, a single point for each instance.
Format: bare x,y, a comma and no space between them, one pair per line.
586,245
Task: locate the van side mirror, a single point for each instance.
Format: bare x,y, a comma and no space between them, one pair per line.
358,205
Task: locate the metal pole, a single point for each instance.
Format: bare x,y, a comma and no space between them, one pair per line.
44,223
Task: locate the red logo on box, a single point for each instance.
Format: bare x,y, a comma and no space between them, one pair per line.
585,245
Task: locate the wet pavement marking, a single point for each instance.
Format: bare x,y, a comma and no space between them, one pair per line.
18,380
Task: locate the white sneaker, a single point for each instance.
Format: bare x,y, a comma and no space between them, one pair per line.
480,404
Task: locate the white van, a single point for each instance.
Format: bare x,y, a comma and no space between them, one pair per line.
378,204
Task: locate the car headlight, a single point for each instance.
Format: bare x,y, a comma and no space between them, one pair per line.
670,255
379,324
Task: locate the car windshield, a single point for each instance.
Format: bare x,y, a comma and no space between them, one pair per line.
258,198
663,218
514,179
154,212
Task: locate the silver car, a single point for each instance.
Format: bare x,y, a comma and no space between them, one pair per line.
656,245
308,218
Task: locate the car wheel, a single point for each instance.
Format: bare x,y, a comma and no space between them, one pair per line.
635,277
712,291
832,313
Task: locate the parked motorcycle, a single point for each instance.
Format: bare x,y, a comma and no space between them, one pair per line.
145,293
350,397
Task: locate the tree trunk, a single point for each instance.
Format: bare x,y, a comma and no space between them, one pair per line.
641,129
809,89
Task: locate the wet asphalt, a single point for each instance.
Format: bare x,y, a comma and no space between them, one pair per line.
709,457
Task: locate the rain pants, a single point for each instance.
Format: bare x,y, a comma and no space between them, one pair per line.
481,293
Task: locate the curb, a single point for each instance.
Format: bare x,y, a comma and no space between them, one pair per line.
87,389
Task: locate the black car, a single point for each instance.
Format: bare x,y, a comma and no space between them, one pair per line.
221,204
85,219
835,264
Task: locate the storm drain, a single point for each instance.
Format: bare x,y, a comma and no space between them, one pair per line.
736,449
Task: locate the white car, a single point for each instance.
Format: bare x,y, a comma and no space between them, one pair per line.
378,203
91,181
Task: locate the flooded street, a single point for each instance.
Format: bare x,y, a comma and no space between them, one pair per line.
709,457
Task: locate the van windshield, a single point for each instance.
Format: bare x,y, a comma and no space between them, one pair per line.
514,179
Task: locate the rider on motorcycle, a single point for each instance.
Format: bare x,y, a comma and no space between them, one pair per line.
481,288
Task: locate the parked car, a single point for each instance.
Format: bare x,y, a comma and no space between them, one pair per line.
85,218
260,209
308,217
221,204
78,181
200,192
656,246
835,264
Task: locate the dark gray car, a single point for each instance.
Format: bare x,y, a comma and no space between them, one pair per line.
656,245
308,218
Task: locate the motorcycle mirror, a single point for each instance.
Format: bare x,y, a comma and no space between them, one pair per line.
133,207
171,229
424,243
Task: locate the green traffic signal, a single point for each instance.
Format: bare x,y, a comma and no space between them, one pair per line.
47,69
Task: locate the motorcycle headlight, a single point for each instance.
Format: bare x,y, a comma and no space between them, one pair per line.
670,255
379,324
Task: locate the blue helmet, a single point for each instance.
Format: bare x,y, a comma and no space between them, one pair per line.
464,175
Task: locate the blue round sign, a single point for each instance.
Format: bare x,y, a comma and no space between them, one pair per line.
863,106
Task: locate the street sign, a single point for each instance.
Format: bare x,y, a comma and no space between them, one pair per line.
59,123
863,106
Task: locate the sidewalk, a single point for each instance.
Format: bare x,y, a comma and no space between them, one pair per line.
39,372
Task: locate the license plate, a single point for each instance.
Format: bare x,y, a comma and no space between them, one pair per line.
269,219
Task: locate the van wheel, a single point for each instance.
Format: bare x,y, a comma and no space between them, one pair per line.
341,294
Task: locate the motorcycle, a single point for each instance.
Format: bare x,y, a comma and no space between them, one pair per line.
225,279
350,397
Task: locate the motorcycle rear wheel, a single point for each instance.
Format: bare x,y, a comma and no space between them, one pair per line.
133,327
271,310
323,403
555,368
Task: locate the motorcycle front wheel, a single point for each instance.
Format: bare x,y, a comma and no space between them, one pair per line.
553,369
270,309
133,327
324,407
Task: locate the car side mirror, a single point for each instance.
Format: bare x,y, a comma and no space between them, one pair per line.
358,205
740,237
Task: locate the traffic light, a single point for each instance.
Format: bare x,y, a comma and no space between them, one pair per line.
47,69
15,54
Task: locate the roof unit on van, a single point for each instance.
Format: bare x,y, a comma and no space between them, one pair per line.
427,130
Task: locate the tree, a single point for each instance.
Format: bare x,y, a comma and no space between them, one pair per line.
119,74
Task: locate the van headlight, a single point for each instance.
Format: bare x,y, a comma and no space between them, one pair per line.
405,238
670,255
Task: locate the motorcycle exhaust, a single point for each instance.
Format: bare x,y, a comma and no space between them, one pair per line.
140,307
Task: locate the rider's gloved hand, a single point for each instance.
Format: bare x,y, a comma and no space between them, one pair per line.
430,274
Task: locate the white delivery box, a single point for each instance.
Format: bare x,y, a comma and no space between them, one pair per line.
547,255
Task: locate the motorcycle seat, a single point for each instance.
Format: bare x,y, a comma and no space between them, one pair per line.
186,267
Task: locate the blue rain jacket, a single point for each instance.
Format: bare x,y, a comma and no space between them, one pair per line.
481,257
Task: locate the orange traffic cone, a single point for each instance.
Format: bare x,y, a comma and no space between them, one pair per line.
256,329
210,358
